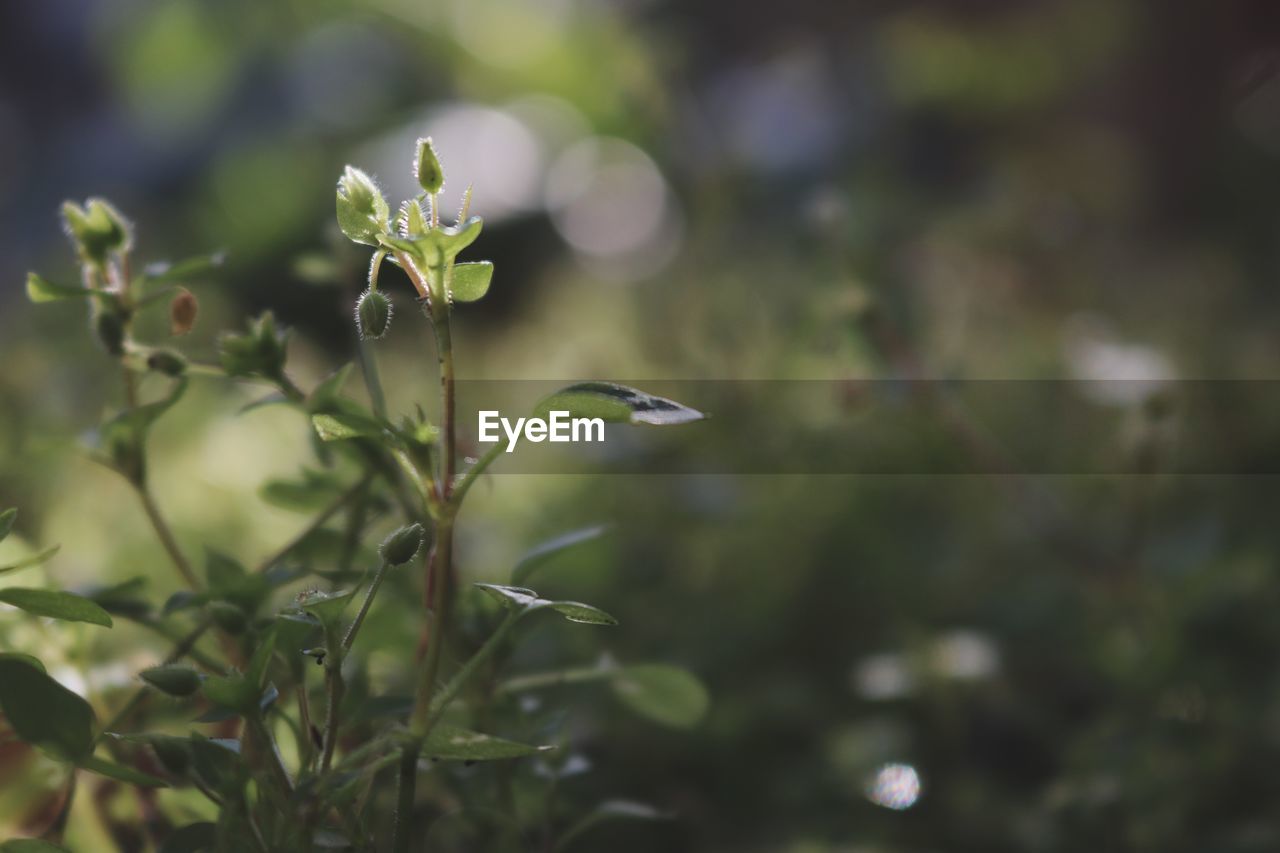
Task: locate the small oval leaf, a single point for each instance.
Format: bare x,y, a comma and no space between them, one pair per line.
56,604
33,560
451,743
40,289
471,280
665,694
576,611
44,713
6,521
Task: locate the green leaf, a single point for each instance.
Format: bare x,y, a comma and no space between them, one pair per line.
21,658
33,560
121,599
229,580
192,838
326,606
40,289
56,604
510,597
234,692
330,388
6,521
44,713
576,611
451,743
665,694
615,403
172,679
261,657
362,209
343,426
313,490
184,269
522,599
121,773
536,557
471,280
30,845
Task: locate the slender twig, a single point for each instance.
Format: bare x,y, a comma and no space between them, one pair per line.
354,628
165,534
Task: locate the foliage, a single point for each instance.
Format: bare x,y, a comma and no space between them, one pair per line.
289,758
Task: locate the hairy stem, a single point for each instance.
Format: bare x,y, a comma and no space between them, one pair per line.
354,628
408,778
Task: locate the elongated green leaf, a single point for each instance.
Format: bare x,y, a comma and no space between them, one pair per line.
33,560
342,426
536,557
450,743
183,269
576,611
6,521
665,694
523,599
510,597
471,280
173,679
313,490
56,604
40,289
121,773
615,403
43,712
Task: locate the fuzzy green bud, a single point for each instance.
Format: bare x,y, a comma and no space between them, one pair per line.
426,167
97,229
228,617
173,680
362,211
373,314
399,547
108,327
167,361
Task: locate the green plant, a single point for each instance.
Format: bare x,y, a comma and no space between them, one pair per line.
327,781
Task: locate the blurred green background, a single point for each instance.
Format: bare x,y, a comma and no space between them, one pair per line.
1083,189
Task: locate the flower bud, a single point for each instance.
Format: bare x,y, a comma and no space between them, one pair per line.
362,210
373,314
182,312
108,326
426,167
399,548
228,617
167,361
173,680
97,229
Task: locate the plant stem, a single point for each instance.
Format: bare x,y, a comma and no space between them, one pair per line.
165,535
438,594
440,702
333,681
364,607
538,680
404,799
268,746
469,477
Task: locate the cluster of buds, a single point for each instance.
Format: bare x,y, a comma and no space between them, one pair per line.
417,241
